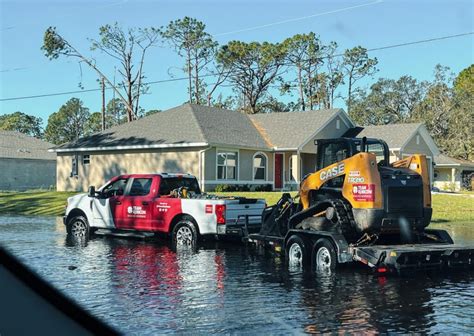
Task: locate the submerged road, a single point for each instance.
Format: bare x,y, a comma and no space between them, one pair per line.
142,287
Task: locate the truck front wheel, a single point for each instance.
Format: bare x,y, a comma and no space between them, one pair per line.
324,259
78,227
184,235
297,253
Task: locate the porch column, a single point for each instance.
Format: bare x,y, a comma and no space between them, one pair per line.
453,175
297,167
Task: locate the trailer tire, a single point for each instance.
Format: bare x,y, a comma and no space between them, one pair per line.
184,235
323,258
78,227
297,251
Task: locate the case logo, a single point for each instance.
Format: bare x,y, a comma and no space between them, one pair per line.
331,172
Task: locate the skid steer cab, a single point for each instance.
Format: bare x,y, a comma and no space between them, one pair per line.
355,199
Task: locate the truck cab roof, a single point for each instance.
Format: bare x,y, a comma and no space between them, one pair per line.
163,175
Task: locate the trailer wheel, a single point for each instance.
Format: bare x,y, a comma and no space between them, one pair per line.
78,227
324,259
297,252
184,236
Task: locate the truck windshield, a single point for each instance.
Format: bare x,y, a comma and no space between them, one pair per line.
169,184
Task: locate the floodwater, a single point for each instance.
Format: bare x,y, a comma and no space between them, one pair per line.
142,287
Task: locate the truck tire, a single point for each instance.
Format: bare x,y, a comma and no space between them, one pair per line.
297,251
324,258
78,227
184,235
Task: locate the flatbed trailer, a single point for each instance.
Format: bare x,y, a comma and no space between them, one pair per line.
381,259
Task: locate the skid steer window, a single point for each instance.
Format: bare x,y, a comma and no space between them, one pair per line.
377,149
332,153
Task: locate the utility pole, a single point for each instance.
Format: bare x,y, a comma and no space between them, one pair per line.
103,104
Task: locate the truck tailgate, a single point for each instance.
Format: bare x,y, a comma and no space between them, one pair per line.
237,209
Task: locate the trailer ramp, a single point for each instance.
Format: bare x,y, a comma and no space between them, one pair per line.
403,259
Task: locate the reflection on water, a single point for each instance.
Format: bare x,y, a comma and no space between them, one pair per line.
142,286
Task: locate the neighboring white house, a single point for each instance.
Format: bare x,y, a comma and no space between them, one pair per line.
453,174
404,140
25,162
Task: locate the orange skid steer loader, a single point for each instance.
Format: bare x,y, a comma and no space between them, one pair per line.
359,207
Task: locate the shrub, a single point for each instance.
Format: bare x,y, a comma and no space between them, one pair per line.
263,187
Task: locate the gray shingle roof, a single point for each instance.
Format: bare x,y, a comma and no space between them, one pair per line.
395,135
17,145
227,127
446,160
291,129
183,124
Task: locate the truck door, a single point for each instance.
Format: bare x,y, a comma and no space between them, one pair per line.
138,204
107,207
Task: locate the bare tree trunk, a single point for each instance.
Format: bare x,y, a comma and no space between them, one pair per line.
103,104
310,88
349,94
190,88
300,81
196,82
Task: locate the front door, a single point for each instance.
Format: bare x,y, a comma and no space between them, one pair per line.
278,171
107,207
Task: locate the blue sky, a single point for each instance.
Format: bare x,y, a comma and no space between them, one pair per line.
370,23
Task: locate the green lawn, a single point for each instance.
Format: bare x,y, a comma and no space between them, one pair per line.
446,208
45,203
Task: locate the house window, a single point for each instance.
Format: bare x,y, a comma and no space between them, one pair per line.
74,167
259,166
338,124
86,159
226,165
417,139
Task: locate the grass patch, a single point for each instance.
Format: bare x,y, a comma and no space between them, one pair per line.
453,208
39,203
446,208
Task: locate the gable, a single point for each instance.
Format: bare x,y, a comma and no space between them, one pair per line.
292,130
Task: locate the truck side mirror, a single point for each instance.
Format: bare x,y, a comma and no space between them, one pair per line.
91,192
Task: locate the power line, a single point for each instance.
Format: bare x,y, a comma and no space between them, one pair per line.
298,18
214,74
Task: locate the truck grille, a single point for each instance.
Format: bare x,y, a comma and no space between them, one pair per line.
405,200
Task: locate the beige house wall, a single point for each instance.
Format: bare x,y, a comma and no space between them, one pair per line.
245,168
413,148
448,179
104,165
329,132
27,174
309,164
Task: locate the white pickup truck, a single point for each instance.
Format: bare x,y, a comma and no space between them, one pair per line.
166,203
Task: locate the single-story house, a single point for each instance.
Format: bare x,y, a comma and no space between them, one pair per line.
453,174
404,140
25,162
218,146
222,147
